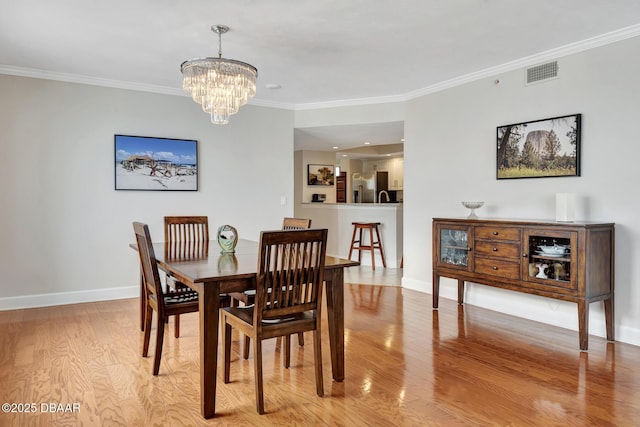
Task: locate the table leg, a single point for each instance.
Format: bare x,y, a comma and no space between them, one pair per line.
209,304
435,292
609,318
460,291
583,324
335,315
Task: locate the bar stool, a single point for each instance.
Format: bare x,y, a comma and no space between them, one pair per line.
361,226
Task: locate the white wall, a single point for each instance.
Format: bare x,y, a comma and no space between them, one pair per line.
450,156
65,231
315,158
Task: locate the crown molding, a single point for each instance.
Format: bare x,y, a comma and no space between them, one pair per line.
583,45
87,80
577,47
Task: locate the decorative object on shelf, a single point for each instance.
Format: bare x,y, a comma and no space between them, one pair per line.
540,148
565,207
220,85
559,272
227,238
148,163
542,268
320,174
473,206
555,250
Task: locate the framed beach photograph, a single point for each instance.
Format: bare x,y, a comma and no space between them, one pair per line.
148,163
320,174
539,149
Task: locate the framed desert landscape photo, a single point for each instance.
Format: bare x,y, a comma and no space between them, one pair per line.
320,174
148,163
539,149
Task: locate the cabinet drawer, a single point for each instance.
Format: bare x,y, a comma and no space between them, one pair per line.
498,233
498,267
498,249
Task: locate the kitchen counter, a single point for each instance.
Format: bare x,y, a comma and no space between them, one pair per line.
338,219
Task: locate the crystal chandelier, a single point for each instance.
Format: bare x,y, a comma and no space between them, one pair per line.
220,85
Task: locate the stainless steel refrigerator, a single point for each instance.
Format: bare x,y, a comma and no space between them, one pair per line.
366,187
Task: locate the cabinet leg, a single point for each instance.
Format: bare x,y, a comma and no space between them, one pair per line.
460,291
583,324
436,290
609,318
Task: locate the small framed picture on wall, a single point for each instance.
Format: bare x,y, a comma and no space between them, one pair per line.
320,174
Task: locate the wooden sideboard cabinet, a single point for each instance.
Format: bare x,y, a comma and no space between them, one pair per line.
566,261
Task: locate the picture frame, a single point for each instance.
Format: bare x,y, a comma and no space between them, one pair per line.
320,175
148,163
539,148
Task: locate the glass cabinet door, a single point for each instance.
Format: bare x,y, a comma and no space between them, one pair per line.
453,247
550,257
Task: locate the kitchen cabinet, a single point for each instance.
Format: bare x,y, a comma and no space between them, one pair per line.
396,174
566,261
372,166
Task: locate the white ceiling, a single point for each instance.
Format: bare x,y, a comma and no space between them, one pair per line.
322,53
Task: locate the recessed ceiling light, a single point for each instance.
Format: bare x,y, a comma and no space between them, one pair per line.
344,155
335,148
367,143
388,155
273,86
401,139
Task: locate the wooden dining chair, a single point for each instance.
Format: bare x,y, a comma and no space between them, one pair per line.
288,299
247,297
165,304
186,237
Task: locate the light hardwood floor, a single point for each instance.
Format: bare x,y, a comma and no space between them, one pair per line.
406,365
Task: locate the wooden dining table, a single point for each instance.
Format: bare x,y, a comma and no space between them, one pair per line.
212,273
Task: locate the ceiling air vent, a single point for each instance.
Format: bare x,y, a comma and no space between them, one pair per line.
542,72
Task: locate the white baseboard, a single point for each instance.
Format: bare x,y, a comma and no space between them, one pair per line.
62,298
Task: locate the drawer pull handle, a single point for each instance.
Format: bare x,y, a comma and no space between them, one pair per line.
495,233
495,249
495,268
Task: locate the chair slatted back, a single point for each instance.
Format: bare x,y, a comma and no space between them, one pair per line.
290,273
296,223
186,237
150,274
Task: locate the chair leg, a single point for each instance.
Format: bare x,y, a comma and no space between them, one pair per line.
143,301
245,351
360,250
373,255
226,339
176,331
257,363
384,263
147,330
353,239
287,351
159,340
300,339
317,359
